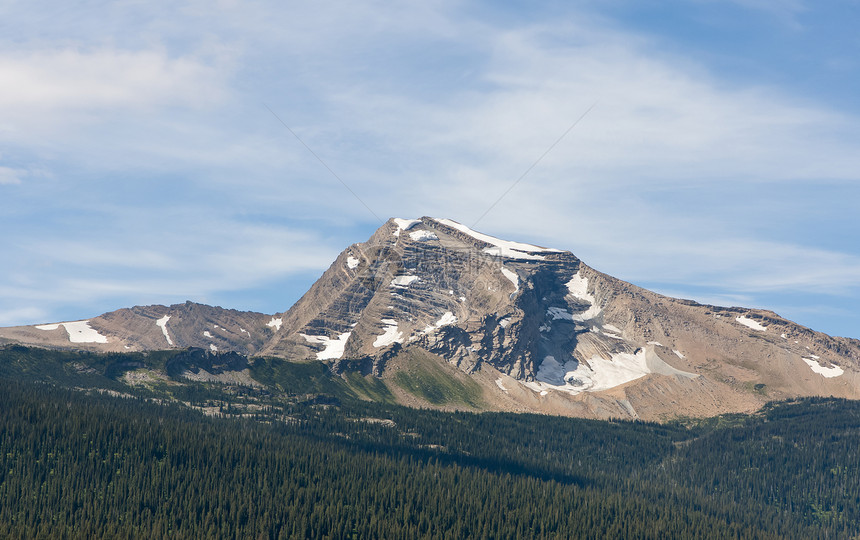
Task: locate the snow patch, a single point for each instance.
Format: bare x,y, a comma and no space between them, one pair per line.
657,343
575,377
501,248
162,323
391,334
678,354
207,334
423,236
406,224
504,323
48,326
500,385
403,281
82,332
446,319
612,328
590,313
829,373
578,287
750,323
352,262
275,323
604,374
334,347
213,348
79,331
783,336
513,277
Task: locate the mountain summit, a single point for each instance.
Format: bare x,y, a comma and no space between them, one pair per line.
427,302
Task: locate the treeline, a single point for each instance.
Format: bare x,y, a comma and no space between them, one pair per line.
82,466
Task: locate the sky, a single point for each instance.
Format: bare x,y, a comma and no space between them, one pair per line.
155,152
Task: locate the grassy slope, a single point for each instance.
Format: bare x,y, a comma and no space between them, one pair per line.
431,379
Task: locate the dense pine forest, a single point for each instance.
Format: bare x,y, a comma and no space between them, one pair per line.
76,462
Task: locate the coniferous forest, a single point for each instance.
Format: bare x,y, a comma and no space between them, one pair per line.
83,463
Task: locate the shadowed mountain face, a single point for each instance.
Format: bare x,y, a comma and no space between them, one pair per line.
536,328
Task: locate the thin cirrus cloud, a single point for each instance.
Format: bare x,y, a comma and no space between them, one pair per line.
666,123
9,175
178,260
102,78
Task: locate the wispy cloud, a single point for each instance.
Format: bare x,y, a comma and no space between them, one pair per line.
190,258
10,176
69,78
15,316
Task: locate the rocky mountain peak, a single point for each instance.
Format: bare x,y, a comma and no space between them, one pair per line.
438,285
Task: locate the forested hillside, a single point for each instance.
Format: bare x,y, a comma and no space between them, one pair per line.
79,465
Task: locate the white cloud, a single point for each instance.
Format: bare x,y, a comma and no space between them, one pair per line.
10,176
67,78
63,103
655,119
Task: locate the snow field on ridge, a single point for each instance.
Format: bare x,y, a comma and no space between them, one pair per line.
79,331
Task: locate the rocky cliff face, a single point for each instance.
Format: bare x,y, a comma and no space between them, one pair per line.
536,327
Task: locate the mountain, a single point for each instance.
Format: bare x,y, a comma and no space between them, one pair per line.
447,316
147,328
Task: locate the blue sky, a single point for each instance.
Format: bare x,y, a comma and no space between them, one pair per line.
139,163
